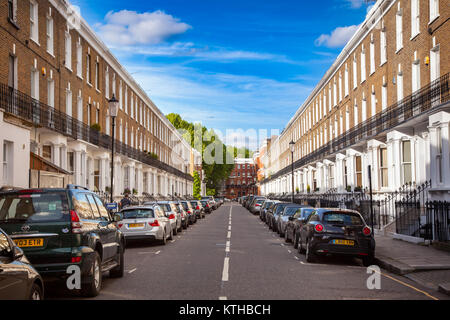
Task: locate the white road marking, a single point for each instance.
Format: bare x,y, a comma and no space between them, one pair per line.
229,235
226,266
172,241
158,252
131,271
296,258
223,298
289,251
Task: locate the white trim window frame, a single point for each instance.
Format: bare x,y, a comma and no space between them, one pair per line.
434,10
34,21
68,50
415,18
383,45
50,35
399,29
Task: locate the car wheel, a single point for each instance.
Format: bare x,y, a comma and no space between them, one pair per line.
310,256
286,237
92,287
164,239
36,292
175,231
171,234
118,271
295,241
300,246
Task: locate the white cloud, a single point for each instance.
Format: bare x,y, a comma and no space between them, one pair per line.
356,3
338,37
130,27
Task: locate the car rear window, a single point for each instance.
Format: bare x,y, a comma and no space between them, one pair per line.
291,211
138,214
34,207
166,207
280,208
343,218
260,201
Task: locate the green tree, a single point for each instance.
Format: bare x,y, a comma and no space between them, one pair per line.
197,186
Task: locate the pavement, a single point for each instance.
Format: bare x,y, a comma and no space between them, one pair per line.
232,255
423,264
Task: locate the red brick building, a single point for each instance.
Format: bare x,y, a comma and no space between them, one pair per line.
242,180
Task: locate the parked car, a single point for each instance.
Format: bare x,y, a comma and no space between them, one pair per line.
257,204
184,214
173,214
337,232
273,215
147,222
295,223
190,211
206,206
211,201
264,208
18,279
58,228
198,209
283,218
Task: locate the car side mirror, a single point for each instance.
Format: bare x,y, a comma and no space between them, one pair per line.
17,253
118,217
291,218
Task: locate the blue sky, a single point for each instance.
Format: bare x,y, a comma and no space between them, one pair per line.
228,64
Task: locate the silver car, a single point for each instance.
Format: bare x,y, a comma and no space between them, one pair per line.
146,222
256,205
173,214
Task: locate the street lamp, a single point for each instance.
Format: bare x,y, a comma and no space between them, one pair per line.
113,105
292,147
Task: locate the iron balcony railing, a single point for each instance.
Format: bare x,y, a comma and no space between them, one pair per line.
429,97
41,115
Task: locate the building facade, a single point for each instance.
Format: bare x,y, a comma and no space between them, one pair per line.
382,106
242,180
56,79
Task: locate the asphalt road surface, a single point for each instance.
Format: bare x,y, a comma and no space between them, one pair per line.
232,255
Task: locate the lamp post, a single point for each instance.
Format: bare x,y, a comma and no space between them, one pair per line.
292,147
113,111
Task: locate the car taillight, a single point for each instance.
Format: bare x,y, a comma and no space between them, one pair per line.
207,205
76,259
318,228
172,216
257,205
367,231
120,225
189,211
76,223
154,223
198,207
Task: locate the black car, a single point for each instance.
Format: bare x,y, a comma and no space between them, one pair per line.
60,228
336,232
190,211
283,218
272,215
294,224
18,279
264,208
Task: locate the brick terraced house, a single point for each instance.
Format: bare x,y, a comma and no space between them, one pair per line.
56,78
242,180
384,105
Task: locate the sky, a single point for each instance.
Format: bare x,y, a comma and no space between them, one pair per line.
229,64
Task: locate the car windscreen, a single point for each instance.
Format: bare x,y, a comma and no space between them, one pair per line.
138,214
204,203
194,204
185,205
306,212
342,218
34,207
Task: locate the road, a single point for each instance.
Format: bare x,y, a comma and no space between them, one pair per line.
232,255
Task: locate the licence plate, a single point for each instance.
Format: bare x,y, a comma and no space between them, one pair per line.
136,225
344,242
27,243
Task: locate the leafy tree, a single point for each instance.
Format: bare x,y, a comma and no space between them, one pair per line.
197,186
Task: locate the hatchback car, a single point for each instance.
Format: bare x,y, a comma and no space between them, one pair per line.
190,211
147,222
294,224
206,206
256,205
337,232
283,218
59,228
272,215
198,209
264,208
18,279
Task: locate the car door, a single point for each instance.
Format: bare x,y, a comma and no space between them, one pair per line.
13,275
111,229
163,219
103,231
304,228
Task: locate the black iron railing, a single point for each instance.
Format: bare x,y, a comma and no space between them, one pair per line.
438,221
42,115
427,98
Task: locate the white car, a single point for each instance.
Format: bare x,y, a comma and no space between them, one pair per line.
146,222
